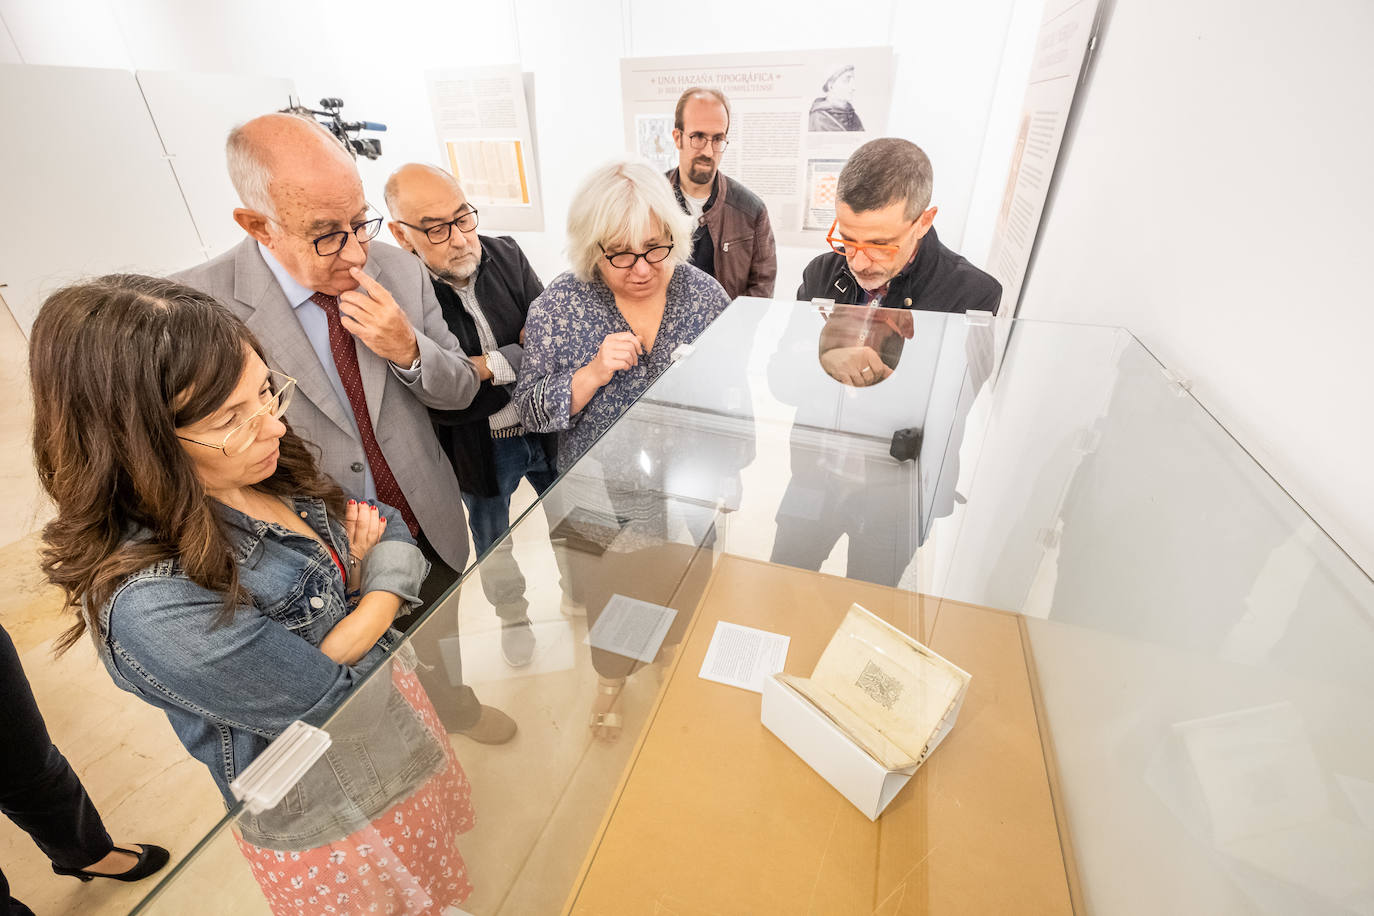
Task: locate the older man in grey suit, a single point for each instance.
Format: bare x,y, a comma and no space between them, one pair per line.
360,330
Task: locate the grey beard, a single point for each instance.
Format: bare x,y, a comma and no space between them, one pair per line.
454,278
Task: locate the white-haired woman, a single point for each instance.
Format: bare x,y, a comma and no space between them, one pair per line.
595,339
603,331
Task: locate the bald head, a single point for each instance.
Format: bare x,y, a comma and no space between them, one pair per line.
279,153
302,199
422,198
415,182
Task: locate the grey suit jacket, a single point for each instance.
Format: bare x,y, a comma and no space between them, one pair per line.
241,280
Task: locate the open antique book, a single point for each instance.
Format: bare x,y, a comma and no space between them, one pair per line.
891,695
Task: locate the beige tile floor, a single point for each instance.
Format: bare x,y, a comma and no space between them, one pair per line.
26,509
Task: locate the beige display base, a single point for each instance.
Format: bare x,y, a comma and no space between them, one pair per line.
715,815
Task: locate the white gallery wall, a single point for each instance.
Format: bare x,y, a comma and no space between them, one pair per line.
1215,199
199,61
374,56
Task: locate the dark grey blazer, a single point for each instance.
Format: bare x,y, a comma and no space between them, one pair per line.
241,279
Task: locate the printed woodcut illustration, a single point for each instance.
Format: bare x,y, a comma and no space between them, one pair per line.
891,695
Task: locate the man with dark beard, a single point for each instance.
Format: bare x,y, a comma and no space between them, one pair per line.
484,285
734,239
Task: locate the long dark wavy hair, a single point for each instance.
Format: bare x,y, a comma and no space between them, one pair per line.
117,364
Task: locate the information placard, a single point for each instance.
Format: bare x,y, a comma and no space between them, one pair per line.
482,119
795,118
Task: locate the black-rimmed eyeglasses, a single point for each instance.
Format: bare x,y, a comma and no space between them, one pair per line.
626,259
438,233
331,243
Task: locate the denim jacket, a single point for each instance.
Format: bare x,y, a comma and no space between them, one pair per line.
229,689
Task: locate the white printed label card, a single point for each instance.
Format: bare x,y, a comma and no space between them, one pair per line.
743,656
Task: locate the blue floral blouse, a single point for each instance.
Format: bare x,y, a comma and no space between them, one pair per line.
564,330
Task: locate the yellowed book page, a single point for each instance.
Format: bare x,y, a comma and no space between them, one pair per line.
887,754
893,683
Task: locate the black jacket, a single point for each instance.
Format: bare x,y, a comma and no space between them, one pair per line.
505,286
733,240
936,280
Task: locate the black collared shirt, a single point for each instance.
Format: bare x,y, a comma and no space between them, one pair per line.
936,280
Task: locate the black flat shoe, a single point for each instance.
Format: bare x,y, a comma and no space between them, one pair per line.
150,860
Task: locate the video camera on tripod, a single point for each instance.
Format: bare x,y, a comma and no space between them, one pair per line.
330,120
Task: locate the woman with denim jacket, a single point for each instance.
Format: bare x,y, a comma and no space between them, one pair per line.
226,581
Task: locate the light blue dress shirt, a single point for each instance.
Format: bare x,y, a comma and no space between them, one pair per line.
315,323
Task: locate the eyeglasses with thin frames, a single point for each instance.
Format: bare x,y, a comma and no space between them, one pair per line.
698,140
438,233
241,437
626,259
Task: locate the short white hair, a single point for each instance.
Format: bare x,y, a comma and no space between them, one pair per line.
249,160
249,172
620,206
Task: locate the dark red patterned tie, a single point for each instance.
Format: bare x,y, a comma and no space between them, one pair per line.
345,352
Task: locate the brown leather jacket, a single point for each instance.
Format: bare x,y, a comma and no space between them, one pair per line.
746,261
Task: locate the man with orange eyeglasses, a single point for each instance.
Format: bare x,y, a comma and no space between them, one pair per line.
885,248
885,253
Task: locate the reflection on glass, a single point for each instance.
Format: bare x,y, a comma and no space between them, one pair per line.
635,525
1168,709
861,346
354,827
877,465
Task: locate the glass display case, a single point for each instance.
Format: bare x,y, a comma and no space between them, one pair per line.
1171,662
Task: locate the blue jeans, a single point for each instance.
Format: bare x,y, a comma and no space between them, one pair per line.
517,458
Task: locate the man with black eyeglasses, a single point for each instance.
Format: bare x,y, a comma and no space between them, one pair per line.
355,322
484,285
734,239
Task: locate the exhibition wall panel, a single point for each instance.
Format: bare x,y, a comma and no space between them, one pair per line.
375,57
87,189
948,60
9,54
190,110
66,34
1230,231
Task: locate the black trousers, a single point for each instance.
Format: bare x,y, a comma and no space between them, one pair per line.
38,789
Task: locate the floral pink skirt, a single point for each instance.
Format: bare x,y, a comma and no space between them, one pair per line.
405,861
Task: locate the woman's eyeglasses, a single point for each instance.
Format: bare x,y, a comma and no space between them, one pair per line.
626,259
241,437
